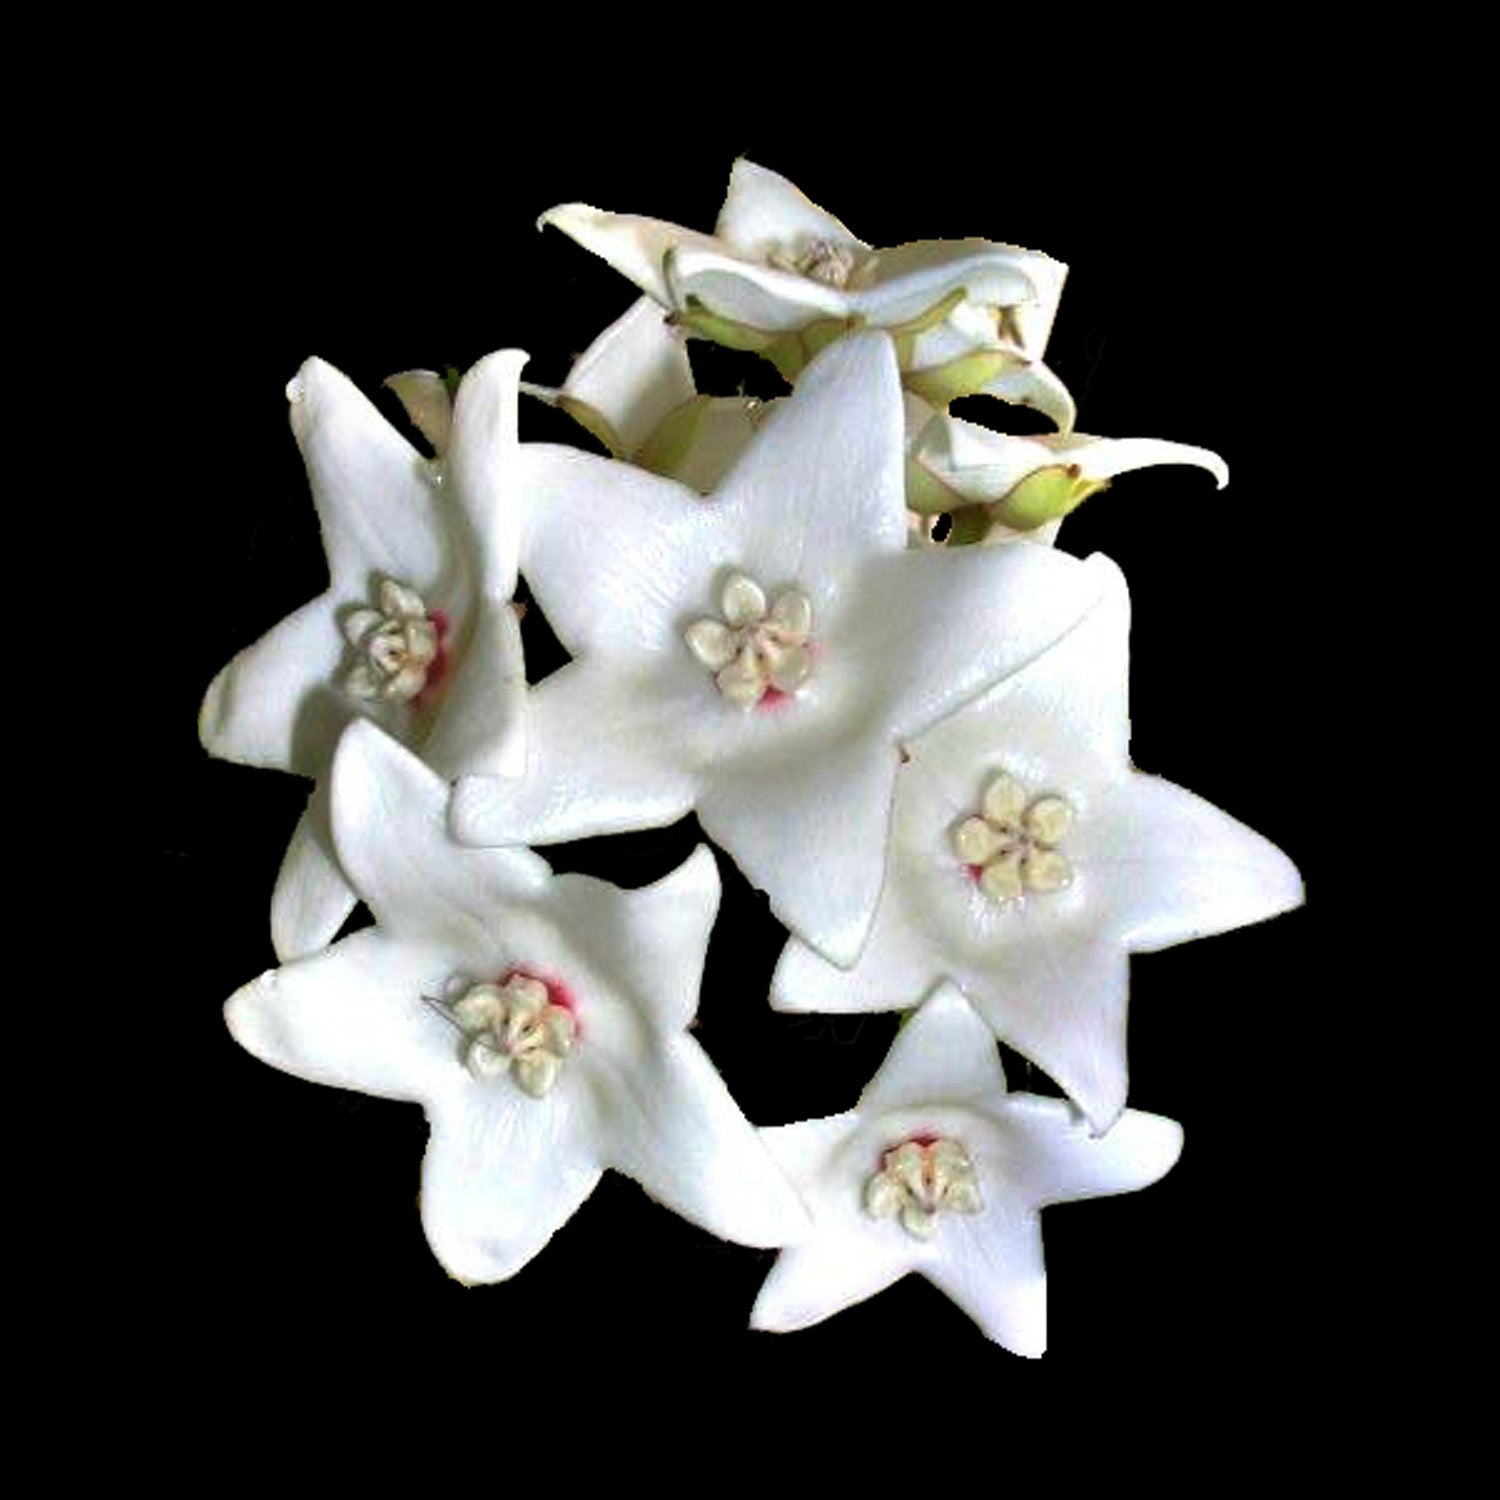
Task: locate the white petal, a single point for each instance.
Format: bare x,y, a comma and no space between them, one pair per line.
651,942
742,601
503,1173
670,1123
712,642
378,510
634,246
1036,386
811,1282
934,627
1055,1157
808,826
1104,458
484,472
763,214
424,394
943,1054
632,375
353,1017
991,1266
276,703
744,291
824,479
606,752
390,832
1184,869
480,729
312,898
618,559
912,279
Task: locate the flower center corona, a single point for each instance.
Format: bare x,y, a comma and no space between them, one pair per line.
1011,847
754,651
516,1026
398,644
918,1180
819,260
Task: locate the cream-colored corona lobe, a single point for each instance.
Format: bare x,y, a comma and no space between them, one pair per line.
515,1027
1012,843
397,642
753,649
919,1180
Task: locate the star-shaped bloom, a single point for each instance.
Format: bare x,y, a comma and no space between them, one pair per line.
1028,859
540,1021
939,1171
759,656
1024,485
413,631
781,276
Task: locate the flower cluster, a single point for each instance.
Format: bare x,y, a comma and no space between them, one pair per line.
835,626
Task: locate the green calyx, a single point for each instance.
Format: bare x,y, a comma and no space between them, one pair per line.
1045,495
966,375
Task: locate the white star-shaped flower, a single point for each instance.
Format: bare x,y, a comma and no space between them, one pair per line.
781,276
414,630
539,1020
760,655
1028,859
939,1171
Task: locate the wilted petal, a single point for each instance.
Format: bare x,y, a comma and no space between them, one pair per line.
428,402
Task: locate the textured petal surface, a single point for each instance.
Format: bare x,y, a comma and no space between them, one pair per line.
617,557
937,626
651,942
605,754
375,500
823,481
748,292
312,898
1183,869
481,727
991,1266
1057,1159
673,1127
809,828
352,1016
764,214
275,704
391,835
503,1173
944,1053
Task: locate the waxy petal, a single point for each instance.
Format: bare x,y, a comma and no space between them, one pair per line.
503,1173
1058,1159
672,1126
627,380
764,215
481,729
390,829
763,298
484,470
608,752
275,704
428,402
312,898
375,499
992,1268
943,1054
1186,869
634,246
352,1017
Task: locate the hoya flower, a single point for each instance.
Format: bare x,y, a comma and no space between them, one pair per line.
539,1020
938,1171
1000,486
413,632
1028,859
784,278
760,656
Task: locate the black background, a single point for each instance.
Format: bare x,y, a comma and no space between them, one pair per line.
293,1224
